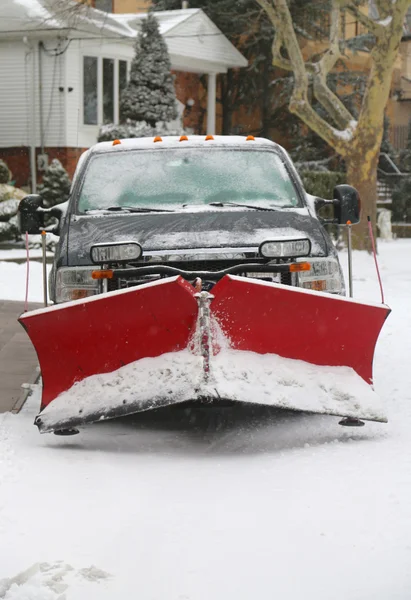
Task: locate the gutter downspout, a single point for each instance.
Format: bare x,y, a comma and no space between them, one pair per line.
33,167
40,48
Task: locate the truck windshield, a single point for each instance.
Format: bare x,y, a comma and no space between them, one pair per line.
175,177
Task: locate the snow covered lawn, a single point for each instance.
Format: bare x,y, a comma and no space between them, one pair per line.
220,505
13,280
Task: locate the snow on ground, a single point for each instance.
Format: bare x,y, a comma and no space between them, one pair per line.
221,504
20,254
13,281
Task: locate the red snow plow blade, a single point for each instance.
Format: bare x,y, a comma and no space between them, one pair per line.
161,343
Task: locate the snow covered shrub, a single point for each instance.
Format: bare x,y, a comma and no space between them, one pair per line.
150,95
35,241
401,202
55,188
9,203
322,183
131,129
173,128
8,220
401,194
5,174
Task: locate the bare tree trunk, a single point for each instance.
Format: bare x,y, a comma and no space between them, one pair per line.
362,174
357,142
266,104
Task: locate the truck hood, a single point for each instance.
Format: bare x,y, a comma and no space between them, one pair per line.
221,228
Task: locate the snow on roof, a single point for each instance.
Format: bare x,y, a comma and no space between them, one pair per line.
167,19
42,16
194,42
189,33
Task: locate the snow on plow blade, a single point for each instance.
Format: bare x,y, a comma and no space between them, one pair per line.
159,344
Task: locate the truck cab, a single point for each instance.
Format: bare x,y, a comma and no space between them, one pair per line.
198,206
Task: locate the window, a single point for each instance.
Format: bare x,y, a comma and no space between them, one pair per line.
90,90
106,5
103,81
173,177
108,90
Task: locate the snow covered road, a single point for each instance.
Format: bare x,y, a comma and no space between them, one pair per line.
224,505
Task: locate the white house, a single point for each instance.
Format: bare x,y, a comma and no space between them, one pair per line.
62,68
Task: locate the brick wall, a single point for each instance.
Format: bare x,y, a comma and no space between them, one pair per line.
18,161
188,87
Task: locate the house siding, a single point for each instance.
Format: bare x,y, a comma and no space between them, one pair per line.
79,134
73,99
14,94
53,94
131,6
16,60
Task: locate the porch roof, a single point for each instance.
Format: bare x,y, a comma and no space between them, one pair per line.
191,36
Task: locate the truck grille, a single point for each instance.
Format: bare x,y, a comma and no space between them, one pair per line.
203,265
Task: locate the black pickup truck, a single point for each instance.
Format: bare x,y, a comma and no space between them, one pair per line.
197,206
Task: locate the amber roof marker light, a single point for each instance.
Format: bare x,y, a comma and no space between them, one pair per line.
209,138
250,138
158,139
116,142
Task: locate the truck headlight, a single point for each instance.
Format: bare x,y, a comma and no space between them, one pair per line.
325,276
115,252
74,283
285,248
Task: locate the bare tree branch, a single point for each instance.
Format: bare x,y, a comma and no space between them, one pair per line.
278,59
322,92
279,14
384,8
373,26
358,143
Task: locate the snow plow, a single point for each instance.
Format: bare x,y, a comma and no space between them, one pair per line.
211,302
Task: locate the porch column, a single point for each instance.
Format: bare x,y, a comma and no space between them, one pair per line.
211,103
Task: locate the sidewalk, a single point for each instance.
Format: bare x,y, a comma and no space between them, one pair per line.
18,360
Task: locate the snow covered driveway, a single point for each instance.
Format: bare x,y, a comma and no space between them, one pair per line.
241,507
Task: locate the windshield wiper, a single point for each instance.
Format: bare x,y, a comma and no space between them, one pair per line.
133,209
241,205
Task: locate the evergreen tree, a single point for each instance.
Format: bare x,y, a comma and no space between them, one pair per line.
150,95
55,188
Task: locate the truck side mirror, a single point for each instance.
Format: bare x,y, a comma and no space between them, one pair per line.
347,204
31,219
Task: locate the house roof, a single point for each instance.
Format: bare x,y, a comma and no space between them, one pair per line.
189,33
194,42
167,19
42,17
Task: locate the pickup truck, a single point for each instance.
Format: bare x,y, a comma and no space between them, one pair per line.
197,270
198,206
